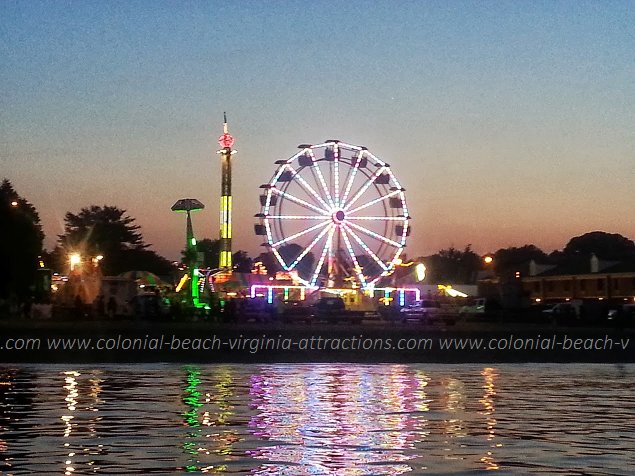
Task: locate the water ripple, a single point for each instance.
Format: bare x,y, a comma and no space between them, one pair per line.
322,419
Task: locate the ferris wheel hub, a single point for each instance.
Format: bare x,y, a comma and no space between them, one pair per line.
338,216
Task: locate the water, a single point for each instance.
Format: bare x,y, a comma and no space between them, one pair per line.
317,419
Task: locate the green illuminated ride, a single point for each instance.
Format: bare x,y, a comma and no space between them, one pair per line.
189,205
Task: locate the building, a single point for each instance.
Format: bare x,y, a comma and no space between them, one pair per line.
591,278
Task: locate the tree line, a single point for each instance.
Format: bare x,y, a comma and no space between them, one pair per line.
109,232
462,266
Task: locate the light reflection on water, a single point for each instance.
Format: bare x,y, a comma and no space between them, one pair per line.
311,419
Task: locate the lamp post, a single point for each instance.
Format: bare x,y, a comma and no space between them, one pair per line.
188,205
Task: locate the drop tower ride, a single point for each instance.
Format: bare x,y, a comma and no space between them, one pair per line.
226,141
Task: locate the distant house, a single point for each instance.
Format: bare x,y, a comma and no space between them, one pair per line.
591,278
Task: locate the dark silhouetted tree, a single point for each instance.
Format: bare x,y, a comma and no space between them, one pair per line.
108,231
610,246
270,262
242,262
509,260
20,243
453,266
210,250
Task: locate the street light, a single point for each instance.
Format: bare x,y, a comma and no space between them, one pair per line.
488,259
14,203
75,259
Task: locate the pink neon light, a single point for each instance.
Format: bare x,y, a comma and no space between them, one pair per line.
226,141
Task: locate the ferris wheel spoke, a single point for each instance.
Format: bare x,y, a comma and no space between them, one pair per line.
381,264
374,235
351,178
280,259
336,175
301,233
311,191
320,176
299,217
378,218
377,200
310,247
374,281
299,201
360,192
325,250
358,268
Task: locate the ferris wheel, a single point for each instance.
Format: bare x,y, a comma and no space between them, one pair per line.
336,214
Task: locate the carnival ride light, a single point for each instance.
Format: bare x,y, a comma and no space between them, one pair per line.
321,186
420,270
182,282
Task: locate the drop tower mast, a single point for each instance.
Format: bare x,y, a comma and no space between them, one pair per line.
226,141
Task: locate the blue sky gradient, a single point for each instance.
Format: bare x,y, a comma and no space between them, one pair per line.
507,122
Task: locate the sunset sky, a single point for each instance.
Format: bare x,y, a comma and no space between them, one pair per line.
507,122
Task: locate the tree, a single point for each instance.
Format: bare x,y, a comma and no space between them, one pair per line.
509,260
270,262
20,243
211,252
242,262
109,232
611,246
453,266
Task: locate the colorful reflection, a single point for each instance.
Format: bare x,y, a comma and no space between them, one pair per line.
337,419
208,416
455,407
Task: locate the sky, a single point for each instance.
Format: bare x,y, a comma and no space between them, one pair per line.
508,122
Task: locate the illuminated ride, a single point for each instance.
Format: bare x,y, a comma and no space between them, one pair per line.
226,141
188,205
336,215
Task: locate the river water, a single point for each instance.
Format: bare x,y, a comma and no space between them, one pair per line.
314,419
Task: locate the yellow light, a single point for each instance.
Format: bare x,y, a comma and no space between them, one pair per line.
75,259
538,300
420,269
450,291
14,203
99,257
182,282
